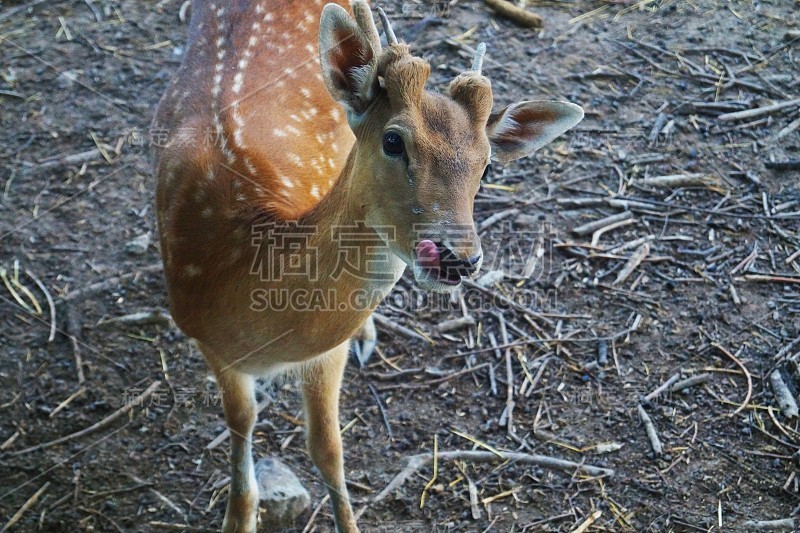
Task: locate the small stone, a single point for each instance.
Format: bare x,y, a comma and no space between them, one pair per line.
139,245
284,497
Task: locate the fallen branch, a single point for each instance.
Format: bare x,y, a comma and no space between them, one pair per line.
101,286
789,164
785,399
664,386
50,303
786,350
746,374
591,227
757,112
415,462
141,318
785,524
588,522
390,325
767,279
495,218
25,506
676,180
426,384
99,425
517,14
690,382
650,429
633,263
74,159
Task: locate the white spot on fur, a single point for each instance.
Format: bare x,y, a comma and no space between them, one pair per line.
237,82
238,138
294,158
294,131
277,132
250,167
288,183
316,164
238,133
335,114
315,191
305,92
215,90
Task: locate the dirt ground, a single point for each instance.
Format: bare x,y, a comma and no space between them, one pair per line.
715,296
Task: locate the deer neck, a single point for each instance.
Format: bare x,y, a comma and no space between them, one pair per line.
351,254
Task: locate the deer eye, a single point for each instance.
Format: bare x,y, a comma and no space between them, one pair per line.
393,144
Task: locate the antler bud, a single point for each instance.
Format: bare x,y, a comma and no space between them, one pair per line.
477,62
391,38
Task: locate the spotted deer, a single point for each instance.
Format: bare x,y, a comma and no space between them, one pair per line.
265,129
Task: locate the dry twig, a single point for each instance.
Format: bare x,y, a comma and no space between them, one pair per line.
650,429
517,14
746,373
97,426
785,399
415,462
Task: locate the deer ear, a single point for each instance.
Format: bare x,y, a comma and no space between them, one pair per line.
522,128
348,59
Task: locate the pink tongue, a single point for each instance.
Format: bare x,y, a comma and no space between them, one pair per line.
427,254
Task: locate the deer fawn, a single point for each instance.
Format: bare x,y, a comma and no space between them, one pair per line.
360,168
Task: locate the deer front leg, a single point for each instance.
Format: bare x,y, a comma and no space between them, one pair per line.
239,403
321,382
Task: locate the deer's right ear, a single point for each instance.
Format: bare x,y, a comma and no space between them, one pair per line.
348,59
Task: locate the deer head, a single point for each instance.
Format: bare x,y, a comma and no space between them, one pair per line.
420,156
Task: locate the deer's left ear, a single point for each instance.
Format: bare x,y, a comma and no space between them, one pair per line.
522,128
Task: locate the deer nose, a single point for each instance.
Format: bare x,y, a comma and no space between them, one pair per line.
453,264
